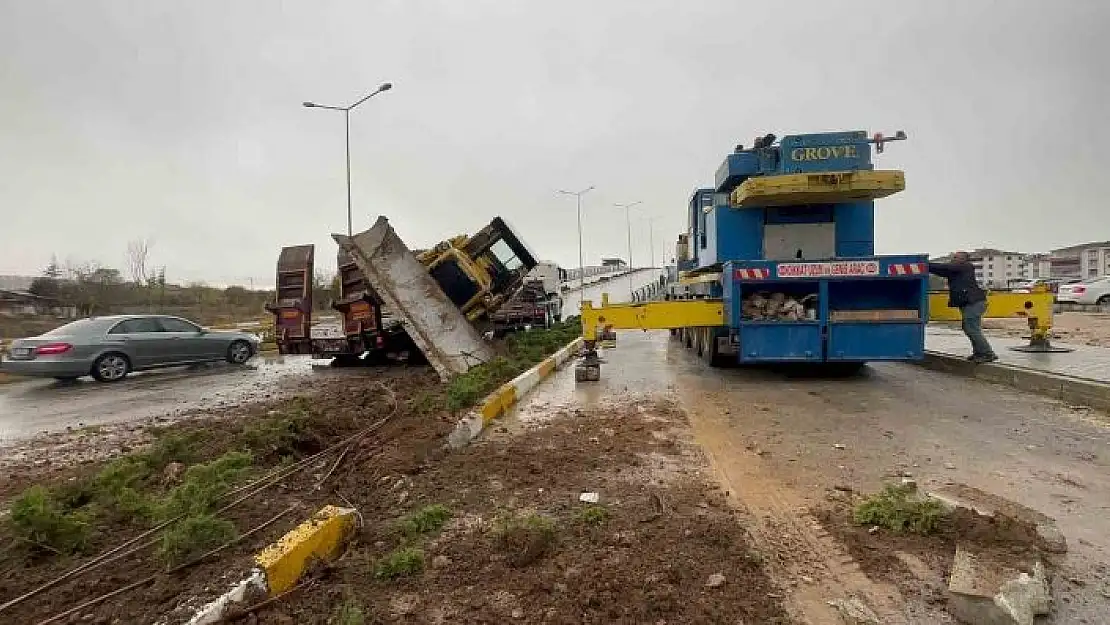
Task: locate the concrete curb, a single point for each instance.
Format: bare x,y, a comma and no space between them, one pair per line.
281,564
1071,390
500,401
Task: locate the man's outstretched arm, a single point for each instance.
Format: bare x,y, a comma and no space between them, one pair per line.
945,270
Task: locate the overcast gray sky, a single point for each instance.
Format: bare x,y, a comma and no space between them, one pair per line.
181,121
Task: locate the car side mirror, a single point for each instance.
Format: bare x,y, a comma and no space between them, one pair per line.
202,331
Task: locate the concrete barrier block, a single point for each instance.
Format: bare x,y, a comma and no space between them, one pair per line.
985,592
1076,391
319,537
504,398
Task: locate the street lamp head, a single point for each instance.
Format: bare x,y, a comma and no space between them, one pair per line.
385,86
308,105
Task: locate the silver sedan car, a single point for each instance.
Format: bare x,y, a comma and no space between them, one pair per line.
108,348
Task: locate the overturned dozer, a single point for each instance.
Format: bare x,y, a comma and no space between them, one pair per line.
443,296
292,308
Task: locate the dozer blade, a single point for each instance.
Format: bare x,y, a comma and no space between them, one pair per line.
433,322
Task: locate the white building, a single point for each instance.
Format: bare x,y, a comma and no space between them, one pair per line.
997,269
1086,261
1037,266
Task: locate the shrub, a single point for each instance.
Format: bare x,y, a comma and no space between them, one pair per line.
348,613
525,539
38,518
400,562
898,508
192,536
204,484
425,520
593,514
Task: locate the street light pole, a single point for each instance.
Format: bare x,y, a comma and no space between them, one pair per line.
581,265
628,222
347,125
385,86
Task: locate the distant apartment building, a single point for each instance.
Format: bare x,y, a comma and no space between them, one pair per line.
1086,261
998,269
1037,266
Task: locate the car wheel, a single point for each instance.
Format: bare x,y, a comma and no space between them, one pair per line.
1104,300
111,368
239,352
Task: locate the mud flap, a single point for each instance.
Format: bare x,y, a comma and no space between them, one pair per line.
449,342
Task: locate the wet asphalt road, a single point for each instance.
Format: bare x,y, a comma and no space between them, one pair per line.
780,443
28,408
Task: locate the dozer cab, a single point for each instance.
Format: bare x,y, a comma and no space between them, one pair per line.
482,272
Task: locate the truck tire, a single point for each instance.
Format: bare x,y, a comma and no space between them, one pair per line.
712,356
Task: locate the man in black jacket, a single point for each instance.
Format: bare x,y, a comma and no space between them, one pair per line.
964,293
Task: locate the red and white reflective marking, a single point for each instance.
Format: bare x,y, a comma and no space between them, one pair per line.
907,269
758,273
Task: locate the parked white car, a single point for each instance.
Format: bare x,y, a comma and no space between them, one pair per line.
1096,291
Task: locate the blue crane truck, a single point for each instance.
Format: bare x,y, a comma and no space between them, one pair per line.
778,264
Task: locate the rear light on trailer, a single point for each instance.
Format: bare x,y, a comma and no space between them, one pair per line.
50,349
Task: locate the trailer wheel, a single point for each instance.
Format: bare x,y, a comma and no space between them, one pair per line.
712,355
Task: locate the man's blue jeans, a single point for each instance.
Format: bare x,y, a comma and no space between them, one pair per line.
972,315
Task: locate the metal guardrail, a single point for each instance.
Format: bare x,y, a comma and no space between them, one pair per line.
650,292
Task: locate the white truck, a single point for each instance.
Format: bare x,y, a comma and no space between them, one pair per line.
549,274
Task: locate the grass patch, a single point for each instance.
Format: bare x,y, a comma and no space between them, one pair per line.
424,521
280,435
173,447
594,514
900,509
465,390
348,613
400,562
525,539
193,536
522,350
203,484
38,518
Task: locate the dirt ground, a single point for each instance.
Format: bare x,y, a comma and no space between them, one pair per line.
919,564
1077,328
663,545
655,556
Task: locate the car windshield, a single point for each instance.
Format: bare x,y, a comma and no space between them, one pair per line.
72,327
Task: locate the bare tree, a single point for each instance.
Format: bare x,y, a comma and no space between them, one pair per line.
138,253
